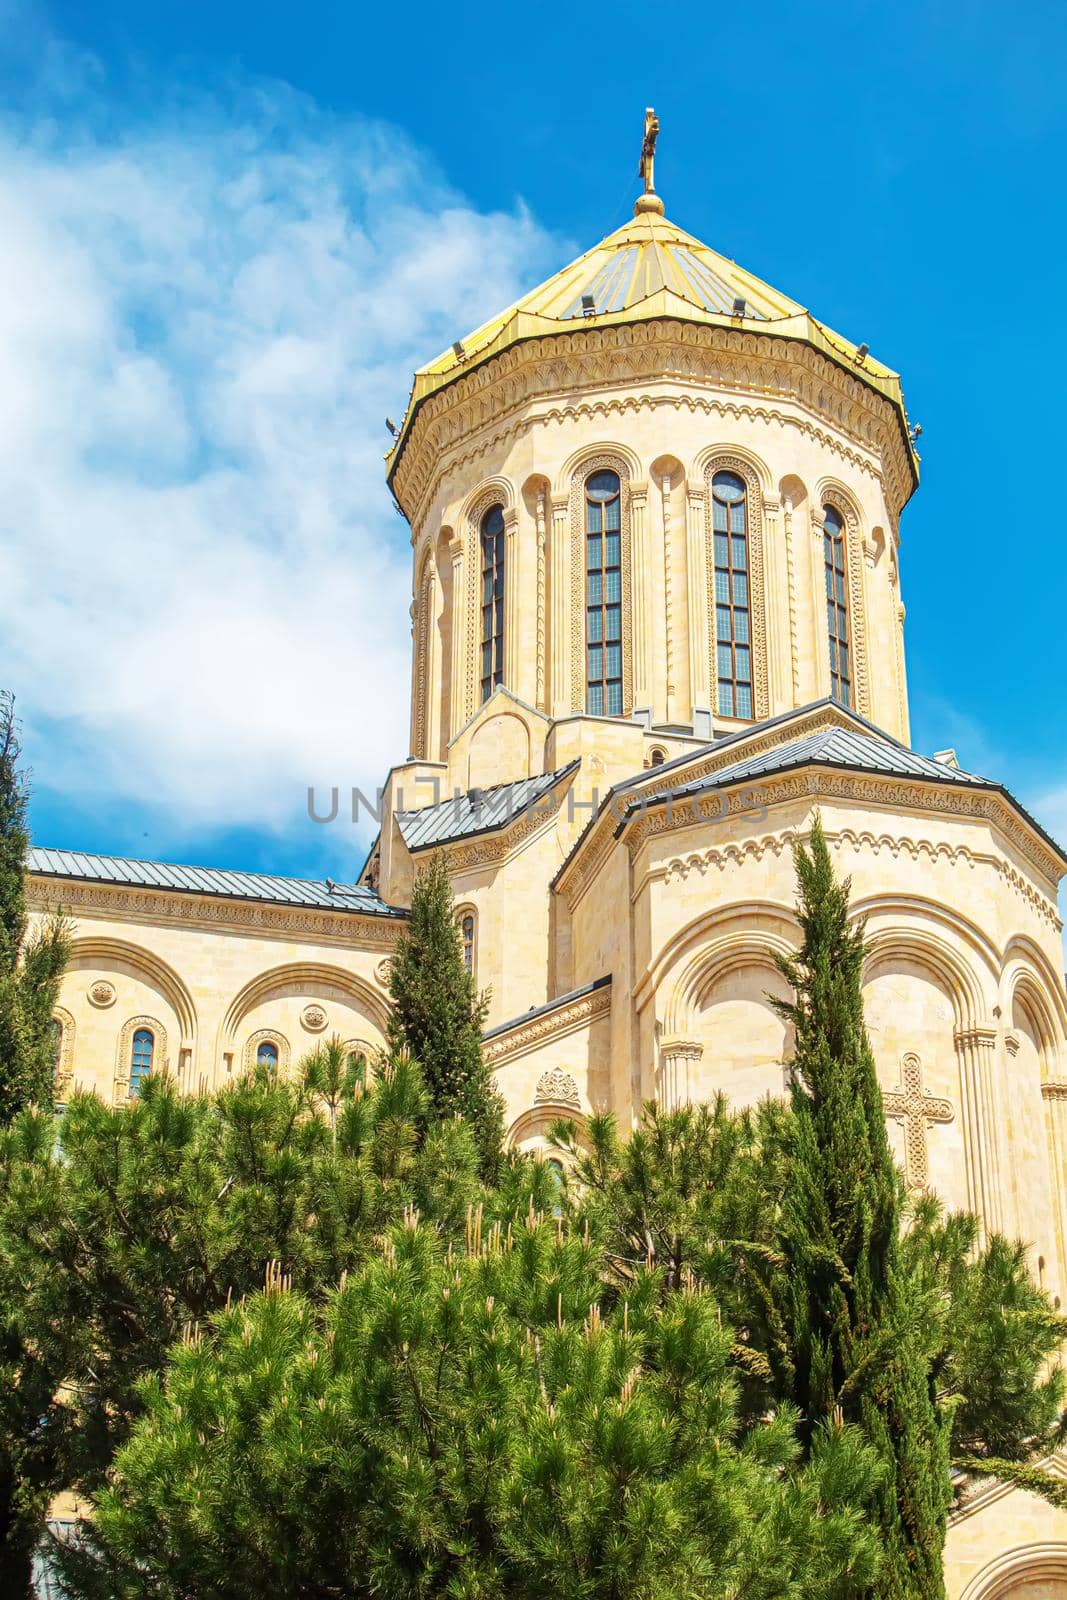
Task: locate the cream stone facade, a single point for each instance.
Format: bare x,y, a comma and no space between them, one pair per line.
631,497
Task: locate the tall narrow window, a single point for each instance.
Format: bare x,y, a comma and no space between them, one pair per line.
267,1055
141,1053
55,1040
733,638
603,594
492,600
837,605
466,935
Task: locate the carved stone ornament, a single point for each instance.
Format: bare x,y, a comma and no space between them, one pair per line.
382,971
314,1018
558,1087
102,993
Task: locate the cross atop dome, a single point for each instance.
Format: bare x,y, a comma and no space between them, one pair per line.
650,200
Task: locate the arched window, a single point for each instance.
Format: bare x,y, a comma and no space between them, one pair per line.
603,594
657,758
733,637
267,1055
141,1052
837,605
492,600
466,938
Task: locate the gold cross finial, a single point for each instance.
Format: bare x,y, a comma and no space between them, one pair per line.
650,200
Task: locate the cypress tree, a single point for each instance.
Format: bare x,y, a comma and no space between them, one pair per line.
30,968
438,1016
856,1319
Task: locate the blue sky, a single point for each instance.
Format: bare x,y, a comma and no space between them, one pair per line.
233,230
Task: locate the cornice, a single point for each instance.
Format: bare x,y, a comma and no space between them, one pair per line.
498,846
813,782
559,365
118,901
526,1036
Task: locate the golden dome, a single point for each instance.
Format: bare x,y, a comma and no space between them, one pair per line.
647,269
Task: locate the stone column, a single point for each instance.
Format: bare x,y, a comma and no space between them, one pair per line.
457,706
976,1053
512,586
539,685
641,598
668,595
417,704
697,573
775,611
559,677
678,1062
434,688
1054,1099
791,597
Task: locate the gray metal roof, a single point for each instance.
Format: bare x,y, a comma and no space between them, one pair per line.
79,864
852,748
477,811
550,1005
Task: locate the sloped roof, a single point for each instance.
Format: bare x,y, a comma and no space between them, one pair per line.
478,811
87,868
646,269
861,749
850,744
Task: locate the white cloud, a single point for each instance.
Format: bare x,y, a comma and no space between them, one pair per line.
203,586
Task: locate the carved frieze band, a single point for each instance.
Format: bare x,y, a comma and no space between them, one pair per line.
564,364
527,1036
48,894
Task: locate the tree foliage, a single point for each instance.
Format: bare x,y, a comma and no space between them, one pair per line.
439,1016
30,965
467,1422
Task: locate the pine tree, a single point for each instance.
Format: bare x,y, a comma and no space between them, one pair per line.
438,1015
30,968
466,1421
857,1322
139,1222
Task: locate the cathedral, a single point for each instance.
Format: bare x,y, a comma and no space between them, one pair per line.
657,623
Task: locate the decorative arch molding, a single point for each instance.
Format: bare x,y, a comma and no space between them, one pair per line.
1027,968
606,458
586,459
306,978
535,1122
160,1057
923,939
104,951
831,491
494,491
1039,1562
728,937
927,950
266,1036
64,1068
739,461
712,457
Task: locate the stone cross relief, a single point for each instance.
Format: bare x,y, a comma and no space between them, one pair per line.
911,1105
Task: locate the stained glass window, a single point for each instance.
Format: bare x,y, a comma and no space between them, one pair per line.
267,1055
733,633
837,605
492,600
141,1053
603,594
